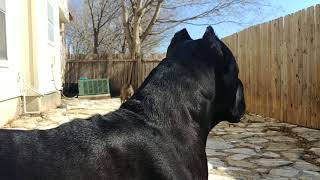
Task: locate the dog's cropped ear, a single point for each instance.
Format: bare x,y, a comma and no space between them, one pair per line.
213,41
178,37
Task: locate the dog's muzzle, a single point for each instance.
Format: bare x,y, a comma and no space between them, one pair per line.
239,106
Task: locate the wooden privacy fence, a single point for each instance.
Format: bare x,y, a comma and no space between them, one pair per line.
119,70
279,64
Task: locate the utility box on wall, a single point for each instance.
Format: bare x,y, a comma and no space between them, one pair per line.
93,87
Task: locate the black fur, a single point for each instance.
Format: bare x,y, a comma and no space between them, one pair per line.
159,134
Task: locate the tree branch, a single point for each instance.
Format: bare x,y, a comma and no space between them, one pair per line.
91,12
125,22
111,16
102,11
152,22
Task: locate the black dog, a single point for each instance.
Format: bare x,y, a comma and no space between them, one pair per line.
158,134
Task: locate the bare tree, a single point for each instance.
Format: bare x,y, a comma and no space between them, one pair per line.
102,13
77,34
83,40
132,15
141,17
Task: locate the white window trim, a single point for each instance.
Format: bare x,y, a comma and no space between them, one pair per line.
4,63
51,43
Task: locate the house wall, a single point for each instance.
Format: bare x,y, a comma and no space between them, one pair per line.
11,70
10,108
33,61
48,54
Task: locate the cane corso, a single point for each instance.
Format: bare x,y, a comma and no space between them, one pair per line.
158,134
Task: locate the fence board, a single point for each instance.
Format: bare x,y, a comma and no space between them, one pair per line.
277,72
268,71
272,67
308,62
289,68
259,68
295,76
263,72
252,83
316,97
254,70
247,56
299,46
266,68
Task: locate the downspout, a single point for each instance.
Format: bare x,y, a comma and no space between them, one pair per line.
31,66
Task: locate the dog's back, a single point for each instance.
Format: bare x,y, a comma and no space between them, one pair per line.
117,146
51,154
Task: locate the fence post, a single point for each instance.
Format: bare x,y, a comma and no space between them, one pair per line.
139,70
109,66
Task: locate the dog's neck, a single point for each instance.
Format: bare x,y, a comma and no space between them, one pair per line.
174,97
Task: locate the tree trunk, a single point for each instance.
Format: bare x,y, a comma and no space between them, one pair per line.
95,41
135,49
123,46
132,33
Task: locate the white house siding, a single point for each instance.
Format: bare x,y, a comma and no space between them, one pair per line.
32,59
49,64
11,69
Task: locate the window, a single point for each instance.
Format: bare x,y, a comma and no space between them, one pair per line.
50,23
3,34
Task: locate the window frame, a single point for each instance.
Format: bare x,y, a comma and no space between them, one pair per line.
3,11
50,23
4,61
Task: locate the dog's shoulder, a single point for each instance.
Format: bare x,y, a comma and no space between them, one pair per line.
123,122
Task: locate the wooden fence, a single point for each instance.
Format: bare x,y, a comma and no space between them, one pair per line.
279,64
118,69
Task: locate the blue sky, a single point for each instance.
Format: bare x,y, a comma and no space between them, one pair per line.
282,8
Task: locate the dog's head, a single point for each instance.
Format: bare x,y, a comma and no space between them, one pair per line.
228,98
